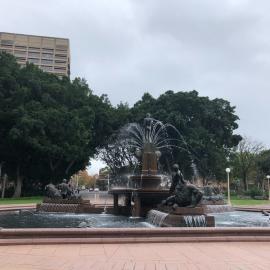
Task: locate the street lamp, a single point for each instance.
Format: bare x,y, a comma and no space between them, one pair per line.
268,178
228,170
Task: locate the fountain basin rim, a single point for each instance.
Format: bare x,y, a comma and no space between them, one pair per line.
132,235
135,231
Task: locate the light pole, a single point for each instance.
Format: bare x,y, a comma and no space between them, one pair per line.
268,178
228,170
77,181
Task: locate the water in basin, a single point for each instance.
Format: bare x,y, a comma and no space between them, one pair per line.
17,219
241,219
59,220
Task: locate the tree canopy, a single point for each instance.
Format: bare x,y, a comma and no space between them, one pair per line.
207,129
49,126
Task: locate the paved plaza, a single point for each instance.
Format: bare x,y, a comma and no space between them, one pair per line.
156,256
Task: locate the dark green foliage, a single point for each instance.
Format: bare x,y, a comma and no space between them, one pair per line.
49,127
254,192
263,162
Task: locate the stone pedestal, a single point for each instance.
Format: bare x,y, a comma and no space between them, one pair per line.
143,200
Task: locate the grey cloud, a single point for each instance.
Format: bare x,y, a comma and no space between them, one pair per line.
126,47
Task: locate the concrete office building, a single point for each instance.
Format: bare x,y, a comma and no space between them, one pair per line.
50,54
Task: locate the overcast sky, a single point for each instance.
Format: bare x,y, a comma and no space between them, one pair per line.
221,48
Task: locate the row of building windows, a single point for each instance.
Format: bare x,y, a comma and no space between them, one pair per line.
6,50
10,43
43,67
38,55
37,61
7,42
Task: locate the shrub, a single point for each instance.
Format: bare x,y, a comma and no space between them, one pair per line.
232,193
254,192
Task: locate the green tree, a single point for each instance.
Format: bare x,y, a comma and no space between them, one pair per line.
263,162
245,159
206,126
49,126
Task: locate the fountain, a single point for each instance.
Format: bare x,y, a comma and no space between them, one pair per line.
183,205
189,206
146,192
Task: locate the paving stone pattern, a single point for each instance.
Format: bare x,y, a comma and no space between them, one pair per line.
157,256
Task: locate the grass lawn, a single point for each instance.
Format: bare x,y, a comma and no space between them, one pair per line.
238,201
21,200
38,199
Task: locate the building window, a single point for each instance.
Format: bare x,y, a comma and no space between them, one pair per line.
33,54
61,47
62,56
6,42
49,50
60,68
61,51
47,55
33,60
60,62
34,48
20,58
19,53
46,68
46,62
20,47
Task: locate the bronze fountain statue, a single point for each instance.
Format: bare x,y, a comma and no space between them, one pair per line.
63,190
185,194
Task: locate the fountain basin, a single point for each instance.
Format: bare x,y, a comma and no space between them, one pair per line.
27,219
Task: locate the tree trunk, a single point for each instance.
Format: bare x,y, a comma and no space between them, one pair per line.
4,186
204,181
245,182
69,166
0,171
1,176
18,188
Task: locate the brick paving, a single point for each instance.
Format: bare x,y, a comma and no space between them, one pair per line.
155,256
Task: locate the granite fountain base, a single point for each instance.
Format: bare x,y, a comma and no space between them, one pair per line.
166,216
71,205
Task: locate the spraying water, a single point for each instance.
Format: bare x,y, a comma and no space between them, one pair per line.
155,133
